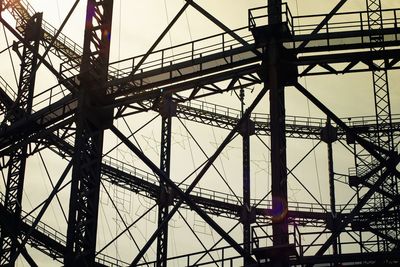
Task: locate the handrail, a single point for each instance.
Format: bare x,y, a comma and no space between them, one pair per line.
49,29
8,89
219,254
305,24
216,195
166,57
60,238
356,121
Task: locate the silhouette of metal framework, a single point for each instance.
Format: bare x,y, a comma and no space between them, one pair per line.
274,50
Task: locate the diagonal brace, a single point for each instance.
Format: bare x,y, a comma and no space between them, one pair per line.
159,39
323,23
221,25
43,210
390,165
185,195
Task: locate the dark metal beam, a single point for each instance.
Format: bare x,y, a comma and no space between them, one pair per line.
388,165
159,39
329,138
92,119
247,209
220,24
167,110
21,108
323,22
184,196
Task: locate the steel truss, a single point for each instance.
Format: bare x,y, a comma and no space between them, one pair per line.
276,54
21,107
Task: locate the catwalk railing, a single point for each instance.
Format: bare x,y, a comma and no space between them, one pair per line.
344,28
22,11
217,196
340,22
7,89
57,237
303,251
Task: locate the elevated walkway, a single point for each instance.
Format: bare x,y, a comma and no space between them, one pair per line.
220,116
7,96
45,238
213,59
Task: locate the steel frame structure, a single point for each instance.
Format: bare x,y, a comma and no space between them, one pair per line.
97,93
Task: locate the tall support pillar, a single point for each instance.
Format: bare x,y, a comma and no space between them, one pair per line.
22,107
92,119
278,156
167,109
384,135
248,213
278,138
278,70
329,135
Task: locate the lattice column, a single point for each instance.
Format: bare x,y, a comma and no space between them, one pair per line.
92,120
167,110
384,135
21,108
380,78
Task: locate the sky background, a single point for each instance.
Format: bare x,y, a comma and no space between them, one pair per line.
136,25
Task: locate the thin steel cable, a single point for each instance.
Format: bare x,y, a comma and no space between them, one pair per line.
11,59
120,234
216,243
198,239
298,180
52,186
215,168
121,218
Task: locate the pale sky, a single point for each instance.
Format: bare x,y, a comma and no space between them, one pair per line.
136,25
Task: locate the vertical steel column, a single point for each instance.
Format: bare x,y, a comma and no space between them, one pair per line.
329,135
384,135
246,195
278,138
247,214
91,122
380,78
164,198
332,193
22,107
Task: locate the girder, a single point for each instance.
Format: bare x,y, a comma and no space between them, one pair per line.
92,119
17,159
167,109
